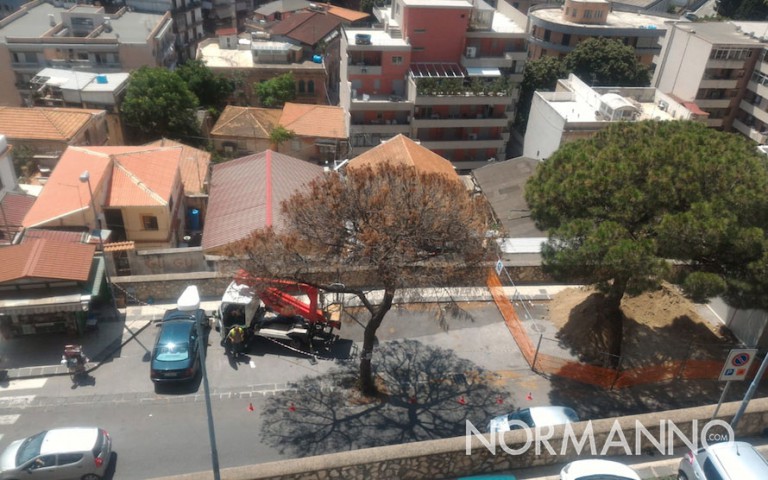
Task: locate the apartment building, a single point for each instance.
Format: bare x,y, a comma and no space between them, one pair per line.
252,61
555,30
575,111
84,38
443,72
187,18
723,68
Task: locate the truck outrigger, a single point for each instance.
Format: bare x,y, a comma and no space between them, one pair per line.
265,308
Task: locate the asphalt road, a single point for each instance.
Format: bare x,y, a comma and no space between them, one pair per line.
278,404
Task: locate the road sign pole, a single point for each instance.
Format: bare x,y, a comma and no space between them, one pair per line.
722,397
750,392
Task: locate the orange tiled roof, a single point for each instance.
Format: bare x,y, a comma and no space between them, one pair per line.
137,175
314,120
41,258
119,246
194,165
403,150
248,122
345,13
40,123
145,177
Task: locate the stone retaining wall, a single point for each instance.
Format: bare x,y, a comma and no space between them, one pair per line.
442,459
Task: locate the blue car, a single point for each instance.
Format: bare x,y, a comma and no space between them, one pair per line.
175,357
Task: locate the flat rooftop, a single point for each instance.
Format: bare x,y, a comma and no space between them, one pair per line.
615,19
216,57
438,3
574,109
131,27
378,38
83,81
719,33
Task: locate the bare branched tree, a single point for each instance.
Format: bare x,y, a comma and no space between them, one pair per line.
371,230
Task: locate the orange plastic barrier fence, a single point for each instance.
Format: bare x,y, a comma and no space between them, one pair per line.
591,374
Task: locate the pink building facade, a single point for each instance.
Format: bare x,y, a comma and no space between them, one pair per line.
443,72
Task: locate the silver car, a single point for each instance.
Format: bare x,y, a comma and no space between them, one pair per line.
62,453
724,461
533,417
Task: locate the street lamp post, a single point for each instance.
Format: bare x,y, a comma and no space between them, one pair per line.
85,177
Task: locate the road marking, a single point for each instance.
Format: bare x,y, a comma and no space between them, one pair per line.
24,384
8,419
20,401
252,364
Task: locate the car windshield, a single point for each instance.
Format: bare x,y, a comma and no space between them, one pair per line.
172,352
30,448
603,476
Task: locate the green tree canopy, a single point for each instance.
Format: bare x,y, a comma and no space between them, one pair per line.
211,89
743,9
279,135
158,103
596,61
607,62
620,205
540,74
404,228
276,91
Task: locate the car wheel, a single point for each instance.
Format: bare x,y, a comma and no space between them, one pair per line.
90,476
681,476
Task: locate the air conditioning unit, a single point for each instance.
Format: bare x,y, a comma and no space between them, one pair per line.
663,105
472,136
471,52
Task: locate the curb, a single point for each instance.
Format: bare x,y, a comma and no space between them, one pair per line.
9,375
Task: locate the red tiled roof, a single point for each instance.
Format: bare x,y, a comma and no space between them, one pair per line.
246,194
40,123
314,120
46,259
194,165
137,175
64,194
307,27
403,150
227,31
59,236
246,122
145,177
15,206
345,13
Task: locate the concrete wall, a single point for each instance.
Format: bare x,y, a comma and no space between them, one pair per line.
544,133
438,459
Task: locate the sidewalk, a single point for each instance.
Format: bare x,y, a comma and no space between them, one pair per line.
38,356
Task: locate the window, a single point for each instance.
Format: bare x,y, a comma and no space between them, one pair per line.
397,60
710,472
566,39
599,14
587,13
547,34
149,222
69,458
419,30
575,12
311,86
302,86
296,144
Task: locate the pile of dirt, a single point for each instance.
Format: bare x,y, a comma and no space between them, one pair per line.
659,325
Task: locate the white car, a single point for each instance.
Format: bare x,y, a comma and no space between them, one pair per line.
61,454
533,417
597,469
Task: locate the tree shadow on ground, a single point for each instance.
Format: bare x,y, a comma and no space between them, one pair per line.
426,393
592,402
586,336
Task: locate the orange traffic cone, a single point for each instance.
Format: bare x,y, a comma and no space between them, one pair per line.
529,397
462,401
292,407
499,400
250,407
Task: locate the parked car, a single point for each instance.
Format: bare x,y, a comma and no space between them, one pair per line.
594,469
533,417
175,356
81,453
724,461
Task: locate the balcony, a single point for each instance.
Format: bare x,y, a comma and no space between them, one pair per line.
719,83
465,144
736,64
755,111
758,88
463,99
478,121
379,102
482,61
363,70
711,103
383,129
750,132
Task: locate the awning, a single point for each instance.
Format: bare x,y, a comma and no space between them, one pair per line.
75,302
96,276
483,72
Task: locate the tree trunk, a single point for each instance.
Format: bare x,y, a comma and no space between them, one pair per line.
615,318
367,386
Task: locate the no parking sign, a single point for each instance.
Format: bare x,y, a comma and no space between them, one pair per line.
737,364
